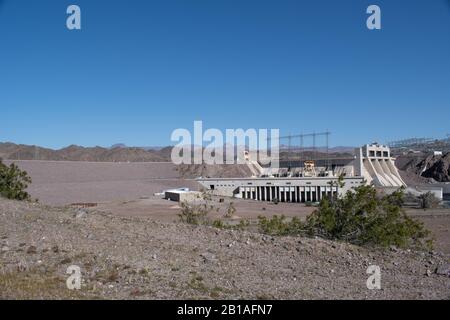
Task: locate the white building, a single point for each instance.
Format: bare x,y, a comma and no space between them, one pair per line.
372,164
375,164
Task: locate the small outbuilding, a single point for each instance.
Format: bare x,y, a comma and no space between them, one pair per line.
181,195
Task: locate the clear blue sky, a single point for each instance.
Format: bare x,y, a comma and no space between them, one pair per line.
139,69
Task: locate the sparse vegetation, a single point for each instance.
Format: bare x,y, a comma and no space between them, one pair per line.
36,284
428,201
107,275
196,213
278,225
13,182
230,210
244,223
220,224
359,217
136,258
363,218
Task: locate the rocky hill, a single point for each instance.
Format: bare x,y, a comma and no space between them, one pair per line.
119,153
138,258
433,167
122,153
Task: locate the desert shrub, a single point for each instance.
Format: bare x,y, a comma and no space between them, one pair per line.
195,213
363,218
278,225
13,182
243,224
231,210
428,201
220,224
359,217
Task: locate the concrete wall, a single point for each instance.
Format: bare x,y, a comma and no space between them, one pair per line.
375,164
445,187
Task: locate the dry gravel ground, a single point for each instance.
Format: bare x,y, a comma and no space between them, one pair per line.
156,208
140,258
438,222
167,211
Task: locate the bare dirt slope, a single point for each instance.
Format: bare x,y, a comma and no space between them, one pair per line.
134,257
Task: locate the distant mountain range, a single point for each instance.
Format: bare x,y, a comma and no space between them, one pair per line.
122,145
116,153
338,149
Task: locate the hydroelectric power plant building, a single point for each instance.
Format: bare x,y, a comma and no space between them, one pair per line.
311,180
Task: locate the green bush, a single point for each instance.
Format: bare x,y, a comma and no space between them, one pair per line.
243,224
428,201
220,224
13,182
359,217
277,225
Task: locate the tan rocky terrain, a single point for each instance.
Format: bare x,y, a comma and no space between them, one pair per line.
139,258
425,167
122,153
77,153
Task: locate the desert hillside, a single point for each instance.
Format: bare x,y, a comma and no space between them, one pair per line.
426,166
117,153
122,153
135,257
